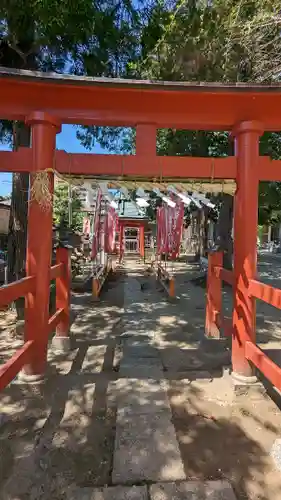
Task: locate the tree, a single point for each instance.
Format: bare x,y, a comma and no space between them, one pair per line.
141,26
35,35
81,37
67,208
222,40
254,28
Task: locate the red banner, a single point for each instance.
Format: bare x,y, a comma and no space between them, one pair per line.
110,229
169,228
86,226
175,221
97,220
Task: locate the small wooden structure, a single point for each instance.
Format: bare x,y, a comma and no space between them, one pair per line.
130,217
46,101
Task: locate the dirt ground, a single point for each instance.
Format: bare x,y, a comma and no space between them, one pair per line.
224,439
61,435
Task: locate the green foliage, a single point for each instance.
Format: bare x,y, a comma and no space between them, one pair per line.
222,40
67,208
43,27
172,142
44,35
5,198
80,37
117,140
270,203
195,40
254,27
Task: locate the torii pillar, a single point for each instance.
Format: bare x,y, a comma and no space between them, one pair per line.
39,245
121,241
246,136
142,241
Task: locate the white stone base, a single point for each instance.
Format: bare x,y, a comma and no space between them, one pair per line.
24,378
242,380
250,386
61,344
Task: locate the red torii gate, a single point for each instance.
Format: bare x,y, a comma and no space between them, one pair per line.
131,223
46,101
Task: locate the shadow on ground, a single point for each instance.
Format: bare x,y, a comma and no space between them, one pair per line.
63,435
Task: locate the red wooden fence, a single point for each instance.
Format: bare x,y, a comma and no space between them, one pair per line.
59,320
215,320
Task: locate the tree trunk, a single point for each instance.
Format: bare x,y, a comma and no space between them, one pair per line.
224,230
202,233
25,58
197,232
18,218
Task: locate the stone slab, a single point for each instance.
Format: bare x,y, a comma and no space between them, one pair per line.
219,490
111,493
143,370
200,377
94,359
192,490
79,401
182,360
139,338
214,345
143,350
146,449
127,362
128,337
141,325
135,396
188,490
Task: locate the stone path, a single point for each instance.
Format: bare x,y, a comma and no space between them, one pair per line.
123,416
185,490
146,446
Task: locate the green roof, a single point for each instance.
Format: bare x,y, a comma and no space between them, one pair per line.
128,209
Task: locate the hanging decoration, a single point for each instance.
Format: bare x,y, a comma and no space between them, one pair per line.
174,231
41,189
110,229
186,186
86,226
169,228
96,226
161,231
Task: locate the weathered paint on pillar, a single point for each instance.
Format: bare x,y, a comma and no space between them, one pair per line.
141,237
245,242
214,296
172,288
39,243
95,289
121,241
63,284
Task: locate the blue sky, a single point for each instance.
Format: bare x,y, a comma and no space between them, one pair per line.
65,140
